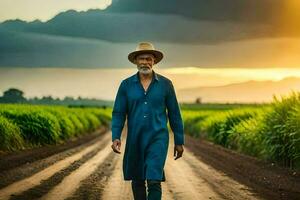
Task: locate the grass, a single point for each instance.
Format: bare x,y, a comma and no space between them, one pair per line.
27,126
270,132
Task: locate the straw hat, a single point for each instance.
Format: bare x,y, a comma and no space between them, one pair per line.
145,47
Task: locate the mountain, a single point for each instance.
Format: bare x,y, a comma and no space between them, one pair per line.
246,92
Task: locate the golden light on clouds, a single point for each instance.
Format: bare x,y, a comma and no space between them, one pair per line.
292,7
289,23
290,16
242,74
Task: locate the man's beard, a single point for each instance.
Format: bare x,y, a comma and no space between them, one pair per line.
144,69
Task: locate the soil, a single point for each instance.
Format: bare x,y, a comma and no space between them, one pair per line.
265,178
87,168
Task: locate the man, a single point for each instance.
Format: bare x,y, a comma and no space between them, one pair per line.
144,98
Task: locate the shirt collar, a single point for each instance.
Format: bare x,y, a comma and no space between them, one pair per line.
136,76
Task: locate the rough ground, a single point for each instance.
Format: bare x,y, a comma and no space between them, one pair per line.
88,169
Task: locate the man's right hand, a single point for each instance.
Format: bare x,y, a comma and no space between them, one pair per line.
116,146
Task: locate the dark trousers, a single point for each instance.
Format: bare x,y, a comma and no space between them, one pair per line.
139,190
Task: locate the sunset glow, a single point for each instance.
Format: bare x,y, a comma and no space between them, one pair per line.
274,74
289,18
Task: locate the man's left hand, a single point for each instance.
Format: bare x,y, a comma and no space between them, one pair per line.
178,151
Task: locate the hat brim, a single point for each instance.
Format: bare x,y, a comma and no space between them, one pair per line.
157,54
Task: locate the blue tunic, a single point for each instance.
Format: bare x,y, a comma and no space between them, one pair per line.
147,131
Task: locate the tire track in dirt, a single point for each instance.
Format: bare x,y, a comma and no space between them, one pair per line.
39,160
72,182
108,175
46,185
92,187
117,188
218,181
37,178
95,172
267,179
189,178
183,182
13,160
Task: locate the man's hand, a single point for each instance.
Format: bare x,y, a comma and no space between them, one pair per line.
116,146
178,151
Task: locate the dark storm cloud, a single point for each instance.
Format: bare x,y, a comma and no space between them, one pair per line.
71,38
232,10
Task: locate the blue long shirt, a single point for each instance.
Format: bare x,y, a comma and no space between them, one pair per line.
148,113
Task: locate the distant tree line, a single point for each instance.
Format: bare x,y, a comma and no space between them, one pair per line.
14,95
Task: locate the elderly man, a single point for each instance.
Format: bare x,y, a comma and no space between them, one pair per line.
144,98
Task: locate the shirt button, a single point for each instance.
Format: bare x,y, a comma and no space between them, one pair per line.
145,93
145,116
145,102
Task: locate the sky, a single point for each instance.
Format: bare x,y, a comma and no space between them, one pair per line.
30,10
212,43
103,83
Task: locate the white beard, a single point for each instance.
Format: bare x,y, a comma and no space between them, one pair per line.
143,70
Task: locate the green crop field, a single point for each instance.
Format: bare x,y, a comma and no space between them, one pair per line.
27,126
269,132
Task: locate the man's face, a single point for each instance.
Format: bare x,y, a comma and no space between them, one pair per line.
145,63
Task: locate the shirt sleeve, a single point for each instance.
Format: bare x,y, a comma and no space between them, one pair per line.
119,112
174,115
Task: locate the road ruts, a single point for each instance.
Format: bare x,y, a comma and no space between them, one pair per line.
95,172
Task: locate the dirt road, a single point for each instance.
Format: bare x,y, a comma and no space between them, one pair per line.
92,171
